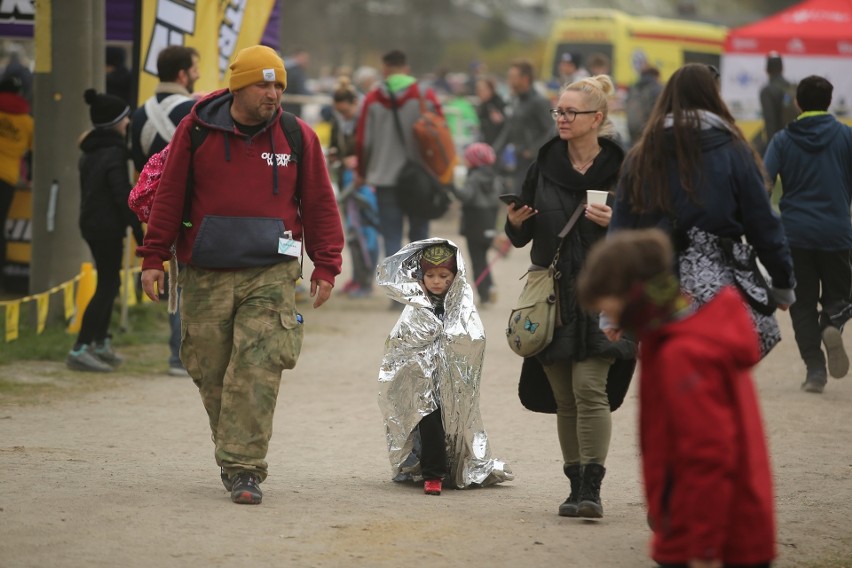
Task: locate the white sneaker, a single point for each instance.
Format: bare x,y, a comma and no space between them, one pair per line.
178,372
107,354
84,360
838,360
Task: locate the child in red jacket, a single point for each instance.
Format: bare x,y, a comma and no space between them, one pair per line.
706,469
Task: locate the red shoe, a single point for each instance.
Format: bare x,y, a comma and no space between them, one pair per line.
432,487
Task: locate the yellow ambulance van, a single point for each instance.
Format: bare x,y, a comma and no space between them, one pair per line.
629,41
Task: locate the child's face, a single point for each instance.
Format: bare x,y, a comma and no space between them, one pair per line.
612,307
438,280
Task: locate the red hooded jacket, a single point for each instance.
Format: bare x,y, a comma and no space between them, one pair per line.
707,476
233,177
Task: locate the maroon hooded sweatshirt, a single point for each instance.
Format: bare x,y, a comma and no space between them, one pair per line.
233,177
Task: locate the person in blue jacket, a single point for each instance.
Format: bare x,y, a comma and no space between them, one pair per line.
813,156
692,167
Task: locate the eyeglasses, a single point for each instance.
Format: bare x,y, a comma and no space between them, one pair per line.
569,115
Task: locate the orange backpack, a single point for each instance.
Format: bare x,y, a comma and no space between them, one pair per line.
435,143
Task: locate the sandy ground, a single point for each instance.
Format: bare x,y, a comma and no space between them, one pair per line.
124,475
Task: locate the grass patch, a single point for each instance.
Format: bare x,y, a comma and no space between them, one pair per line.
32,368
147,323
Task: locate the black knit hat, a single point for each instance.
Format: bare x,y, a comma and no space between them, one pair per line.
105,110
11,84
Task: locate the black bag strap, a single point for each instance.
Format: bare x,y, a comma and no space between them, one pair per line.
293,134
566,230
197,135
396,120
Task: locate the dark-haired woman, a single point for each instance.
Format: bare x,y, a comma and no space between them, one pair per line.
491,110
692,167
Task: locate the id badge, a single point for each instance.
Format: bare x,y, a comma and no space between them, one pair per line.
289,246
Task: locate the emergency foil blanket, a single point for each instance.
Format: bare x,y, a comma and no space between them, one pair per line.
429,363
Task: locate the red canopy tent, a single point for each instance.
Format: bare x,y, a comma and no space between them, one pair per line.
813,38
814,27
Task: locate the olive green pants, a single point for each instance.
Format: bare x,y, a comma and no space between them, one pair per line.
239,331
583,418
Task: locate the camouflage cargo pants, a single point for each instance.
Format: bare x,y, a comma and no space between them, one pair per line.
239,331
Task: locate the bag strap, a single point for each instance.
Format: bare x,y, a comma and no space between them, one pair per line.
293,134
396,120
420,98
158,114
566,230
197,135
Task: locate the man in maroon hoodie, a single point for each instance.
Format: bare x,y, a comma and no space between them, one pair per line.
239,228
708,482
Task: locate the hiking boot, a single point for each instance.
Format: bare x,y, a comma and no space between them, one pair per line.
574,473
590,506
105,353
838,360
226,480
815,381
432,487
82,359
245,488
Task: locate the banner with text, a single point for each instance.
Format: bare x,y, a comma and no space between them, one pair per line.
218,30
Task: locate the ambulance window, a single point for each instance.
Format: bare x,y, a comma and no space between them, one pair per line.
584,50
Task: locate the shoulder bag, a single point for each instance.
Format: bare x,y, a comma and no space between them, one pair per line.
707,263
536,313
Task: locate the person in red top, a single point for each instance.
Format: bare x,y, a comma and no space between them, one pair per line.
253,200
382,153
708,483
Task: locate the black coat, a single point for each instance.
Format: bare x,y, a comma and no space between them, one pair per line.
488,128
105,186
555,189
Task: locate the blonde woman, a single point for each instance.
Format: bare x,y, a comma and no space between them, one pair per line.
582,157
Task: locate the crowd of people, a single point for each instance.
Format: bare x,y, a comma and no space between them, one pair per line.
624,276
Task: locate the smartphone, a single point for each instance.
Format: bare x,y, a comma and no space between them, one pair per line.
512,199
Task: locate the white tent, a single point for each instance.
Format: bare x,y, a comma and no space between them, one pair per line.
813,38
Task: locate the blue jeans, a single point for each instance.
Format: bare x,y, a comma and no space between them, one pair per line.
390,221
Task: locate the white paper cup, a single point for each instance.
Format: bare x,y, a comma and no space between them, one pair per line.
596,197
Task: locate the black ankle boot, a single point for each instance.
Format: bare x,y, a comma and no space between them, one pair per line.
574,474
590,506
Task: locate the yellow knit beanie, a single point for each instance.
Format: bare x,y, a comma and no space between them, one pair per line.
256,64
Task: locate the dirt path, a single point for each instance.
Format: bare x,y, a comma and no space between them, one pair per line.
125,476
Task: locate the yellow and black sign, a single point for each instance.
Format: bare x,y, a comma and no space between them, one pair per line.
218,30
